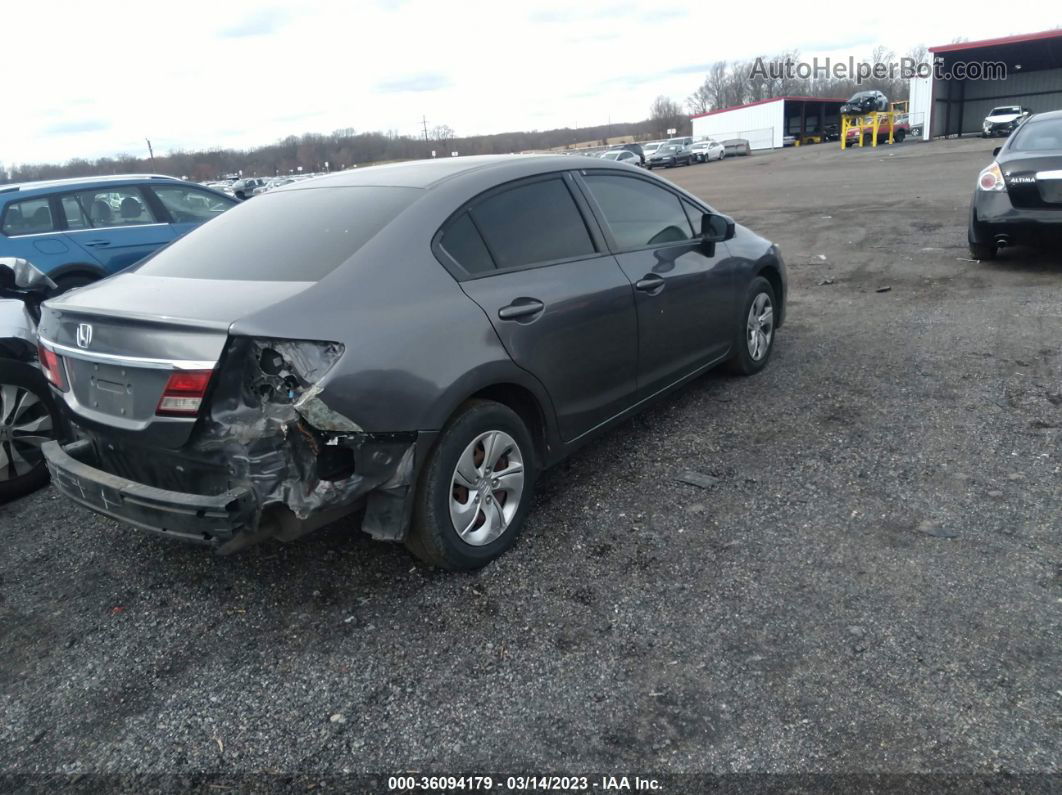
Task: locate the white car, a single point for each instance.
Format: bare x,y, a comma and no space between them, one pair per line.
1003,120
706,151
622,156
649,148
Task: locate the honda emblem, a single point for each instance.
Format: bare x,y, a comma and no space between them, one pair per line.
84,335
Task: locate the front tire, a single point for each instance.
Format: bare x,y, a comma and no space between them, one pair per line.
475,490
754,339
28,419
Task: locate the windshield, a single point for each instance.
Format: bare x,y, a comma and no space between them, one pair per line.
611,155
292,235
1004,111
1034,136
670,148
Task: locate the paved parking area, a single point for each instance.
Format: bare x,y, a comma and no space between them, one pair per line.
873,584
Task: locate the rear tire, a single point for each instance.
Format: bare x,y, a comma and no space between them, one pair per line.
488,447
67,283
23,428
753,350
983,251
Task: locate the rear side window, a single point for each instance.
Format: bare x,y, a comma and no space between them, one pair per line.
291,235
462,241
639,213
110,206
29,217
533,223
75,213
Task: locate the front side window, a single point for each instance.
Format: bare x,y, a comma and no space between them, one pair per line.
532,223
29,217
124,206
190,204
639,213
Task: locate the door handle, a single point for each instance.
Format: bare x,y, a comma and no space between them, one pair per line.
97,243
650,283
521,308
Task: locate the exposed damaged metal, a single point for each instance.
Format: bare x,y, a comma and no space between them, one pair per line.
269,428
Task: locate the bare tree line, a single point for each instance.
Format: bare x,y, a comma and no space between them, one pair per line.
311,152
730,83
727,83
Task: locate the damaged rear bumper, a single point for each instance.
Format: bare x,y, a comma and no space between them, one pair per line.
236,515
189,517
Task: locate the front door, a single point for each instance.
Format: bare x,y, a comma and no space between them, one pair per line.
684,289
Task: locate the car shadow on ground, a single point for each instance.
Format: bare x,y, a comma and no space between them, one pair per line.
339,558
1029,259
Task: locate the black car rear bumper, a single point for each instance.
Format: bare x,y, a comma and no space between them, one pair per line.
992,215
190,517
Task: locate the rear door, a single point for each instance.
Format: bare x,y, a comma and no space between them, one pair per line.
559,302
684,290
117,223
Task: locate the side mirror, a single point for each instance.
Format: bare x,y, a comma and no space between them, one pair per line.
996,151
24,275
716,228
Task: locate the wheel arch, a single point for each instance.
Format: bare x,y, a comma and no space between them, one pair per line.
520,392
77,269
772,274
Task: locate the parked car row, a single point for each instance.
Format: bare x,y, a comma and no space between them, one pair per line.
244,383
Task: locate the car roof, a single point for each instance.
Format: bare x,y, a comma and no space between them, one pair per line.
429,173
1047,115
75,182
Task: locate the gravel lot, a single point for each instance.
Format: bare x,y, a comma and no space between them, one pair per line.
873,584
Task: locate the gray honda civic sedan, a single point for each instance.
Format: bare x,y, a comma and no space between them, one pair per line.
415,342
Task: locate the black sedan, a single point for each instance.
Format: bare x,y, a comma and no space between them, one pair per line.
1018,198
670,155
417,340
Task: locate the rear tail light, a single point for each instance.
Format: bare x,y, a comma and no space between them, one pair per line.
52,367
991,179
183,395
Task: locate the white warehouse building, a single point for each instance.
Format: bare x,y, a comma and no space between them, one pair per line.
766,123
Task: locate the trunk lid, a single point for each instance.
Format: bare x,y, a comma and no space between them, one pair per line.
121,339
1034,180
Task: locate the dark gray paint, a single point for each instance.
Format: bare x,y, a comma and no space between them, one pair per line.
417,346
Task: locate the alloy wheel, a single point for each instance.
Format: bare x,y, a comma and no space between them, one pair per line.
486,488
25,425
760,326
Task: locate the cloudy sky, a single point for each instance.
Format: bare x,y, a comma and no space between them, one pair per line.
86,80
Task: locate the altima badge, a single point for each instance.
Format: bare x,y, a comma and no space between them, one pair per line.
84,335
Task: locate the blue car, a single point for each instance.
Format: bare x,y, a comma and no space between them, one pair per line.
81,230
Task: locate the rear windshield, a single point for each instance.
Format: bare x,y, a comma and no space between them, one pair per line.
293,235
1037,136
